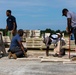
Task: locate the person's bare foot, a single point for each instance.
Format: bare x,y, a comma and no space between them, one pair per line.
9,55
14,56
73,59
25,54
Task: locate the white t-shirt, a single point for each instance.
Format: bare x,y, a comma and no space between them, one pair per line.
72,15
54,36
54,41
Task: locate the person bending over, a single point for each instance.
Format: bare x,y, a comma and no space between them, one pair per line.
58,42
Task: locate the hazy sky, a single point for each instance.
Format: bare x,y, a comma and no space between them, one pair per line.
37,14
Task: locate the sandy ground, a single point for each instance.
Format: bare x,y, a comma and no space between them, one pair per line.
21,66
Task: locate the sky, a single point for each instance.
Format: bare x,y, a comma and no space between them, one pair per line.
37,14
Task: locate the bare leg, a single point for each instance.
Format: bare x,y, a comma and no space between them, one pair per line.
57,49
47,51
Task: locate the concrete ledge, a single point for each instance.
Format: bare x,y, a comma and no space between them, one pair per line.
55,60
70,62
28,59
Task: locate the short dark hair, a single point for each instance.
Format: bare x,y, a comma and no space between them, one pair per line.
20,32
9,11
64,10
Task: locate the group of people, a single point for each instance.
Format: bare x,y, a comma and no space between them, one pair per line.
17,49
71,30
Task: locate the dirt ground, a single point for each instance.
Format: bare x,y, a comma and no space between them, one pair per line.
33,65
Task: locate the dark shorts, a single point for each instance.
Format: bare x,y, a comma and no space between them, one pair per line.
74,31
17,51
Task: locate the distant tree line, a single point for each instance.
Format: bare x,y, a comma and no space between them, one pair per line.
42,31
53,31
4,31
